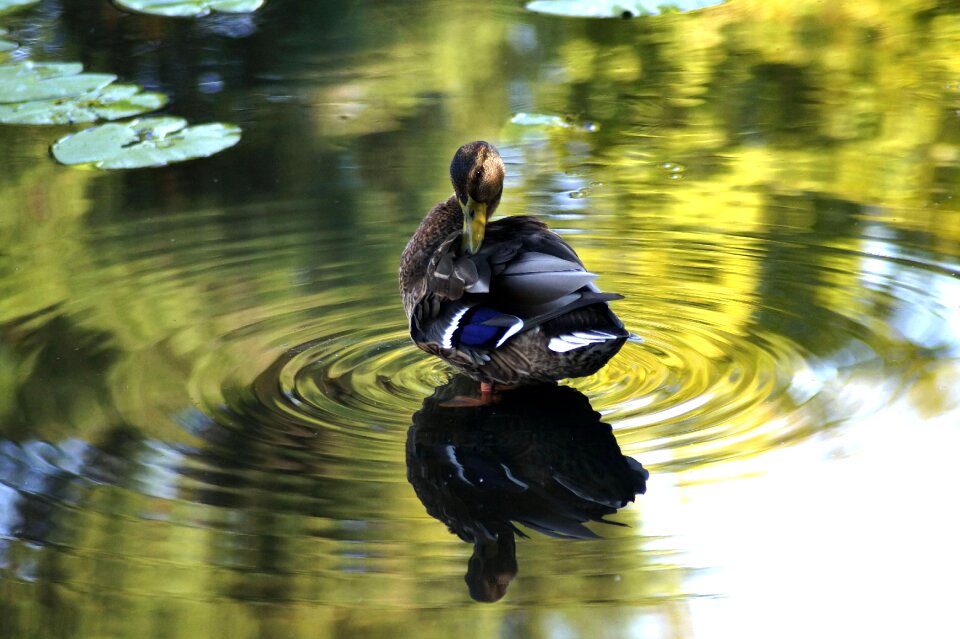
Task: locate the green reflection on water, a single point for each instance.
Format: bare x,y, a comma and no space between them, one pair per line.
217,356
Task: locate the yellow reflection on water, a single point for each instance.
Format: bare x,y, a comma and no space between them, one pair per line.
205,378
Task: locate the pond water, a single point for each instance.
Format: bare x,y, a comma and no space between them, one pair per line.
209,405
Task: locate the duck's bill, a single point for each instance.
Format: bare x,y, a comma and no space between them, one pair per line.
474,224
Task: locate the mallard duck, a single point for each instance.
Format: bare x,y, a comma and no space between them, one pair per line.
505,302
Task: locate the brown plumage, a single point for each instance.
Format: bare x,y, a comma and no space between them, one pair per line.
509,301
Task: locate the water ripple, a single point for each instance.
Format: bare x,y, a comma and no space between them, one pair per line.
259,390
717,377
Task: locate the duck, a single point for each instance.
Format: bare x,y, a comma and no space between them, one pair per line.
505,302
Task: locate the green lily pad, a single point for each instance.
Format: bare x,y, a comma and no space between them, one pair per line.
28,81
189,8
113,102
13,5
616,8
144,142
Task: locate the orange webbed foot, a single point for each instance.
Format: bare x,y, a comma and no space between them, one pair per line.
487,396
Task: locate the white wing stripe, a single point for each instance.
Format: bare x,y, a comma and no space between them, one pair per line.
514,328
446,340
577,339
557,345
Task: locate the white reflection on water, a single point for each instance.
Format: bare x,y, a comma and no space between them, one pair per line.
159,475
663,415
934,326
927,310
8,515
847,535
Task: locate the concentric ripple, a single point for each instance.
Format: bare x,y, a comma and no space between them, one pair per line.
701,395
242,388
263,357
720,374
709,394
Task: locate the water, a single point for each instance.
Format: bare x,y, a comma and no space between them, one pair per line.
207,390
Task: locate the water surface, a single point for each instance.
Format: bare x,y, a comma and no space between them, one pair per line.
207,390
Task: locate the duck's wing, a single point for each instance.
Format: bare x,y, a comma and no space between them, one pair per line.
523,275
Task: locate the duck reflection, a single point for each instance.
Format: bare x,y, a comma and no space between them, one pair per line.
540,457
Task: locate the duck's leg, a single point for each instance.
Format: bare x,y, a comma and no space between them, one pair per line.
487,396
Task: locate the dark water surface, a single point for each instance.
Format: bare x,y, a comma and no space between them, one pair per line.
207,390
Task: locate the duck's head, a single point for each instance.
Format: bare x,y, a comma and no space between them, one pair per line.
477,175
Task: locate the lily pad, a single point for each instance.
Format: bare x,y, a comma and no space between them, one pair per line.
28,81
13,5
113,102
189,8
616,8
144,142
